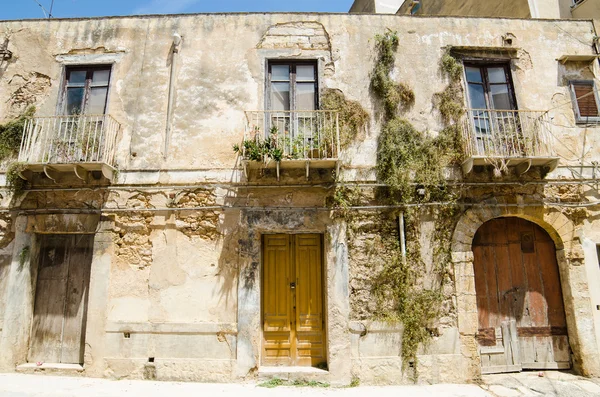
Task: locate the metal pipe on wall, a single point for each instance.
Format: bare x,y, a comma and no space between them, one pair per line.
174,52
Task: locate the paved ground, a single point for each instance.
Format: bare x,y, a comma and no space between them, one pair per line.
528,384
551,384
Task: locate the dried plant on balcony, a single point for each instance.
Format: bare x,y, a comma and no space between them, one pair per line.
11,134
352,116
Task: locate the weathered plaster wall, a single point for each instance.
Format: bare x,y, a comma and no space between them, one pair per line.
185,284
218,78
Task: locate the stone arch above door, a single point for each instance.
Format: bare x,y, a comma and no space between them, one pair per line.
570,258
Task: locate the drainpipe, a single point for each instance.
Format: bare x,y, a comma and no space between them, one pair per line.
174,52
402,236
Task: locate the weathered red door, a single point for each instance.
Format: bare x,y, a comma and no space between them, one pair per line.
522,321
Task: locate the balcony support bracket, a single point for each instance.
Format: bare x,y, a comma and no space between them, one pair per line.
81,172
51,173
523,167
26,175
277,168
245,168
307,169
552,165
467,166
107,171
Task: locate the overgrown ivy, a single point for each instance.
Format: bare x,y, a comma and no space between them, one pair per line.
352,117
391,93
411,164
450,101
11,134
14,182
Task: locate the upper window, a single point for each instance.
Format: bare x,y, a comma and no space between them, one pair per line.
585,100
292,86
86,89
490,87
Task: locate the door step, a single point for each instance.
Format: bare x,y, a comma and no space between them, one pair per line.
293,374
52,368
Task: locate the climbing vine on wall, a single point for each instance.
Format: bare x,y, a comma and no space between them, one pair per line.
411,164
411,168
352,117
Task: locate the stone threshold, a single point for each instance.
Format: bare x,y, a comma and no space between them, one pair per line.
50,366
292,373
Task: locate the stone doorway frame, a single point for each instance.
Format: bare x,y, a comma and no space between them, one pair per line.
570,259
14,342
336,293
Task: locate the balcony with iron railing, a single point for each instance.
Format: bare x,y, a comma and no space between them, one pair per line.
74,143
291,139
513,138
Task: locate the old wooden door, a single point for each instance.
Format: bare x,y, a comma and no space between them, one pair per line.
58,328
292,300
519,299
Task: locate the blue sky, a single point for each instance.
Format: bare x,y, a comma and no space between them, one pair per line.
23,9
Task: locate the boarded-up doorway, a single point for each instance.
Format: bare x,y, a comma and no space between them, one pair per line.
60,311
292,300
520,307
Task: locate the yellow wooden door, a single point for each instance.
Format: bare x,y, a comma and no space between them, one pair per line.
293,326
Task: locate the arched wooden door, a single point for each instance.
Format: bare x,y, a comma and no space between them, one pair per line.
519,298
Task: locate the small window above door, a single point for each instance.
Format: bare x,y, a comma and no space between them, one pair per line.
86,89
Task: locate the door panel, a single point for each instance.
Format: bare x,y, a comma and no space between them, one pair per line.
46,331
292,288
277,306
76,299
58,326
309,303
519,299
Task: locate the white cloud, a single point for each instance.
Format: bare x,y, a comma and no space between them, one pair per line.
165,6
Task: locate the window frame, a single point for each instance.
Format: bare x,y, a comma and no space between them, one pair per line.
88,85
484,65
292,63
578,118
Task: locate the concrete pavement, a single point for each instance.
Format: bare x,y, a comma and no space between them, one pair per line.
508,385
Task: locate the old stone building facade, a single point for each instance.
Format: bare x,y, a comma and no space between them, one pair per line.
143,246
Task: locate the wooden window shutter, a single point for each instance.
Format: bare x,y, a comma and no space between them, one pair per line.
586,100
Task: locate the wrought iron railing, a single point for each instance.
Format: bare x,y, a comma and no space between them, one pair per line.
506,133
70,139
301,135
